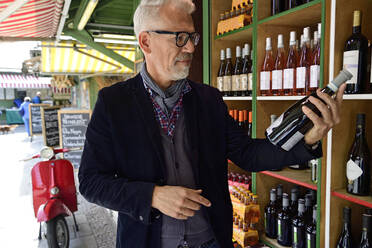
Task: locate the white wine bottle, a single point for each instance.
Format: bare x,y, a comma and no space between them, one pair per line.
293,124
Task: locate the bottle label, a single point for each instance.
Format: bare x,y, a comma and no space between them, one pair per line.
300,77
275,124
265,80
244,82
277,79
351,59
227,83
288,78
236,82
292,141
353,171
308,239
279,229
220,83
295,239
314,76
250,81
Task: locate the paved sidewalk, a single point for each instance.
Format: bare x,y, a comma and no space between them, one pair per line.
18,226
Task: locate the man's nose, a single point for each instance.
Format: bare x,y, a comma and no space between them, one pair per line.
189,47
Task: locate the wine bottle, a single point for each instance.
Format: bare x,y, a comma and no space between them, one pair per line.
245,120
236,84
346,240
355,57
279,196
267,67
227,78
294,202
241,119
365,241
368,211
250,75
250,124
303,68
315,67
245,70
292,125
298,226
290,68
358,167
277,6
308,208
284,223
277,73
271,216
221,72
311,231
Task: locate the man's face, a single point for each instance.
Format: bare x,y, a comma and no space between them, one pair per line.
170,61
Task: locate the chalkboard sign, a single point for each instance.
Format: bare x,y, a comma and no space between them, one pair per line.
35,118
72,127
49,118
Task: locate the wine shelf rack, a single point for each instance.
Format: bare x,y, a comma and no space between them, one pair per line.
244,32
279,98
361,200
237,98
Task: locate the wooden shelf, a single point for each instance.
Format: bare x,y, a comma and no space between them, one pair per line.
237,98
361,200
358,97
299,177
244,34
270,242
301,16
279,98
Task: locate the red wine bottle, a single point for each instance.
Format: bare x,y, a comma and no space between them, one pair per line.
221,71
346,240
311,231
294,201
365,241
298,226
358,167
355,57
271,216
293,124
284,223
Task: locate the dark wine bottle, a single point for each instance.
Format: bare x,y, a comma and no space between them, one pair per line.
250,124
346,240
221,72
358,167
294,201
298,226
271,216
365,241
236,83
308,208
279,196
368,211
284,223
293,124
245,70
355,57
311,231
227,78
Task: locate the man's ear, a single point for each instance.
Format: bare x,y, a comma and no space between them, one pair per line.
144,42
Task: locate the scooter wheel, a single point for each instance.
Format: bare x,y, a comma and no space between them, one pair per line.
58,235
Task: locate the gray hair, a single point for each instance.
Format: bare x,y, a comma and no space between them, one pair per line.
147,12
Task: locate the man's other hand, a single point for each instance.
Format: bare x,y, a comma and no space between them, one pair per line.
330,115
178,202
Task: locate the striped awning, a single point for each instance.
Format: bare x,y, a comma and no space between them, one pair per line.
63,58
37,18
18,81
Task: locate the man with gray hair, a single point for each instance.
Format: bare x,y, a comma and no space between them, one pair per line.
157,145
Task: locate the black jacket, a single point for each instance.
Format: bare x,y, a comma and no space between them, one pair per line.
122,159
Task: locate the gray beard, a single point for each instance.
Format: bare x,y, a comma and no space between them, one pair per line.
181,74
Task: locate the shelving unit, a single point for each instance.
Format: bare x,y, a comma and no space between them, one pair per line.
237,98
336,18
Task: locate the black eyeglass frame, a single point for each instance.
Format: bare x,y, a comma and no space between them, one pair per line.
177,34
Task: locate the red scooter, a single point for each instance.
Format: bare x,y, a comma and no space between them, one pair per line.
54,195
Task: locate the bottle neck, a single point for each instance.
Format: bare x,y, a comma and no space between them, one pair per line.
360,130
347,226
365,234
357,29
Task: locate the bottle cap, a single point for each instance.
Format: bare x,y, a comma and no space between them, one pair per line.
228,53
361,118
342,77
222,54
302,40
250,117
366,221
315,212
279,190
285,200
319,30
308,200
292,40
347,214
241,116
356,20
235,111
273,118
247,47
268,44
238,51
301,205
306,34
315,37
272,195
245,118
244,52
280,41
231,113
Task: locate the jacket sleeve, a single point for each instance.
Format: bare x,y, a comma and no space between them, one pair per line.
259,154
99,179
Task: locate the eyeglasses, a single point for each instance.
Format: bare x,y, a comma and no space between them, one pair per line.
181,37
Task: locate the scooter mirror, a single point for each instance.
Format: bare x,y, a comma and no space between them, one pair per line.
46,153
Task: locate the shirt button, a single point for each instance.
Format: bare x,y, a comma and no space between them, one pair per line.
141,218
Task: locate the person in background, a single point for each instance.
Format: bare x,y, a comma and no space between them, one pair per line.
23,111
37,99
157,145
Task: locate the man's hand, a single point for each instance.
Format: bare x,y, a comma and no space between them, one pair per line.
178,202
330,115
